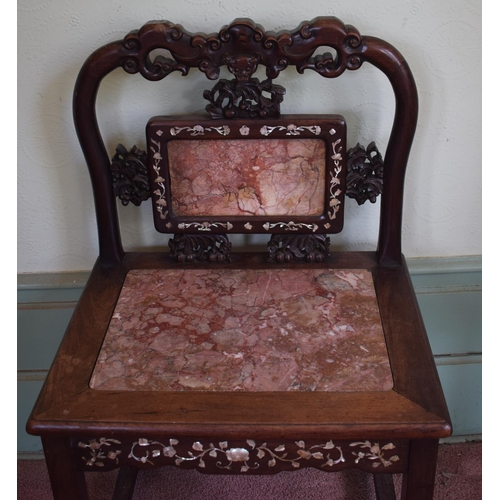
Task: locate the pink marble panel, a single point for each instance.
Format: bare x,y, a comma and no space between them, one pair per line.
245,330
247,177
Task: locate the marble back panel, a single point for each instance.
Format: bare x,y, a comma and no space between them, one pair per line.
245,330
247,177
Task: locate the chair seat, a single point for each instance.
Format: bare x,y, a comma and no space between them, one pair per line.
115,309
245,330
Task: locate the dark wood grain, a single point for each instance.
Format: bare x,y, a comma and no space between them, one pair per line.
67,482
125,483
384,487
418,481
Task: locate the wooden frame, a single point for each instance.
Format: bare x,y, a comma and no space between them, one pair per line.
330,129
77,423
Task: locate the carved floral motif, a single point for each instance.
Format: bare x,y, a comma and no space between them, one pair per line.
244,99
365,173
308,247
129,173
190,247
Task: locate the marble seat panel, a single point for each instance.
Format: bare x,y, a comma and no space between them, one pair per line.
245,330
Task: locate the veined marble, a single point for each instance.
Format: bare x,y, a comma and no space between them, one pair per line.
247,177
245,330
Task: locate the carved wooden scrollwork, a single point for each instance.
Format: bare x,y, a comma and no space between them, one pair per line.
130,175
289,247
365,173
244,99
190,247
242,46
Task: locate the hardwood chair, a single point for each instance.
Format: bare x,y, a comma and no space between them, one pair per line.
245,363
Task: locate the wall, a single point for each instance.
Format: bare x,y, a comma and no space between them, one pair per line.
56,228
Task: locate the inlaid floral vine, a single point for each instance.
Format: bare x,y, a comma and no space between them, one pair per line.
161,202
244,458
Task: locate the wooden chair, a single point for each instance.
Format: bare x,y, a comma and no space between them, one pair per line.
245,363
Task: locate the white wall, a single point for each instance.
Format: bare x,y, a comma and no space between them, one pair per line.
441,40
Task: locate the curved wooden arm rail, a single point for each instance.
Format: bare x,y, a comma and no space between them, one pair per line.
245,363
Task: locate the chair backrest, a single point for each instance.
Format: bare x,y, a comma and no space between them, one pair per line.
308,153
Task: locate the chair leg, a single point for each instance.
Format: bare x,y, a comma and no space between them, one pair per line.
125,484
384,487
67,483
418,481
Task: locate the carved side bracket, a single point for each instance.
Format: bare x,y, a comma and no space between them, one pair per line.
130,175
190,247
244,99
308,247
365,173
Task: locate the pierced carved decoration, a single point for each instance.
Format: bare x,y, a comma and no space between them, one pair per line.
308,247
129,173
190,247
365,173
244,99
242,46
240,458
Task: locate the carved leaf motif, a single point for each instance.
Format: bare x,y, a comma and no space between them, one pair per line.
365,172
244,99
130,175
190,247
308,247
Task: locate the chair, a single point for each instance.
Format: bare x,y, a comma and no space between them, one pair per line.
245,363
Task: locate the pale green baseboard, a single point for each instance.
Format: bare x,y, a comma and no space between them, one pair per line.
448,291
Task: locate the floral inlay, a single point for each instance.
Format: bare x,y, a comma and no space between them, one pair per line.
161,202
205,226
252,456
291,129
375,453
97,454
226,456
200,130
290,226
244,130
334,180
